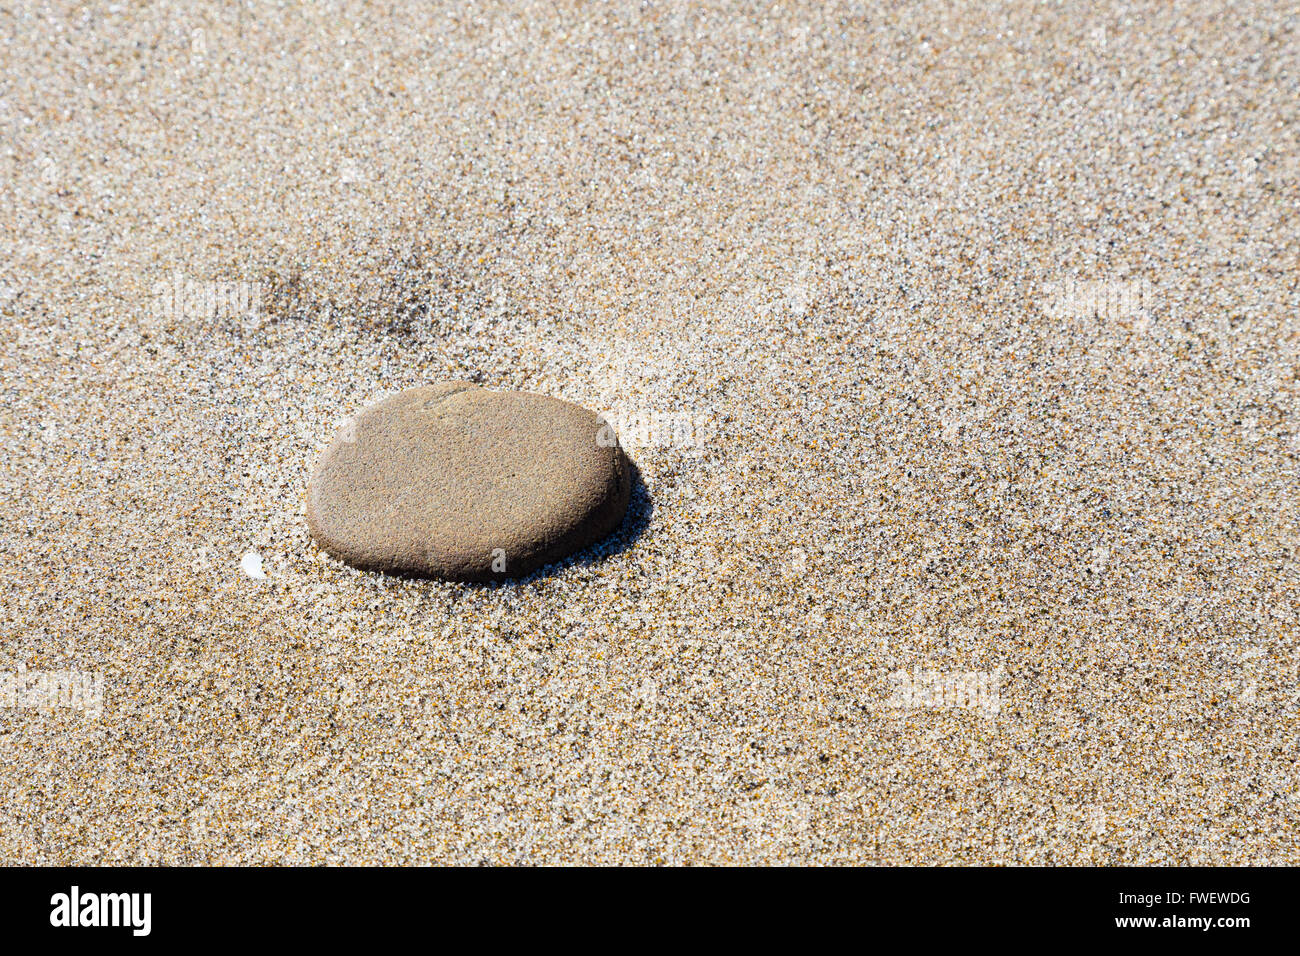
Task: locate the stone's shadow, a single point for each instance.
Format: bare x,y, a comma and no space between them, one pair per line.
640,507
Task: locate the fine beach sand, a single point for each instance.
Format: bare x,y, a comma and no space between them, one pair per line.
956,346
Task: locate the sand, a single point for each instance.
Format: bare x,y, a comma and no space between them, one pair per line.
958,352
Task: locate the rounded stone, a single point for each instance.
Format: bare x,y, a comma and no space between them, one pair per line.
460,482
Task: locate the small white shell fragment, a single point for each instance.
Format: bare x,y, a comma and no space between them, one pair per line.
251,564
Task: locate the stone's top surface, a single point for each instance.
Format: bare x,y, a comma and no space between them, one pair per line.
461,482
